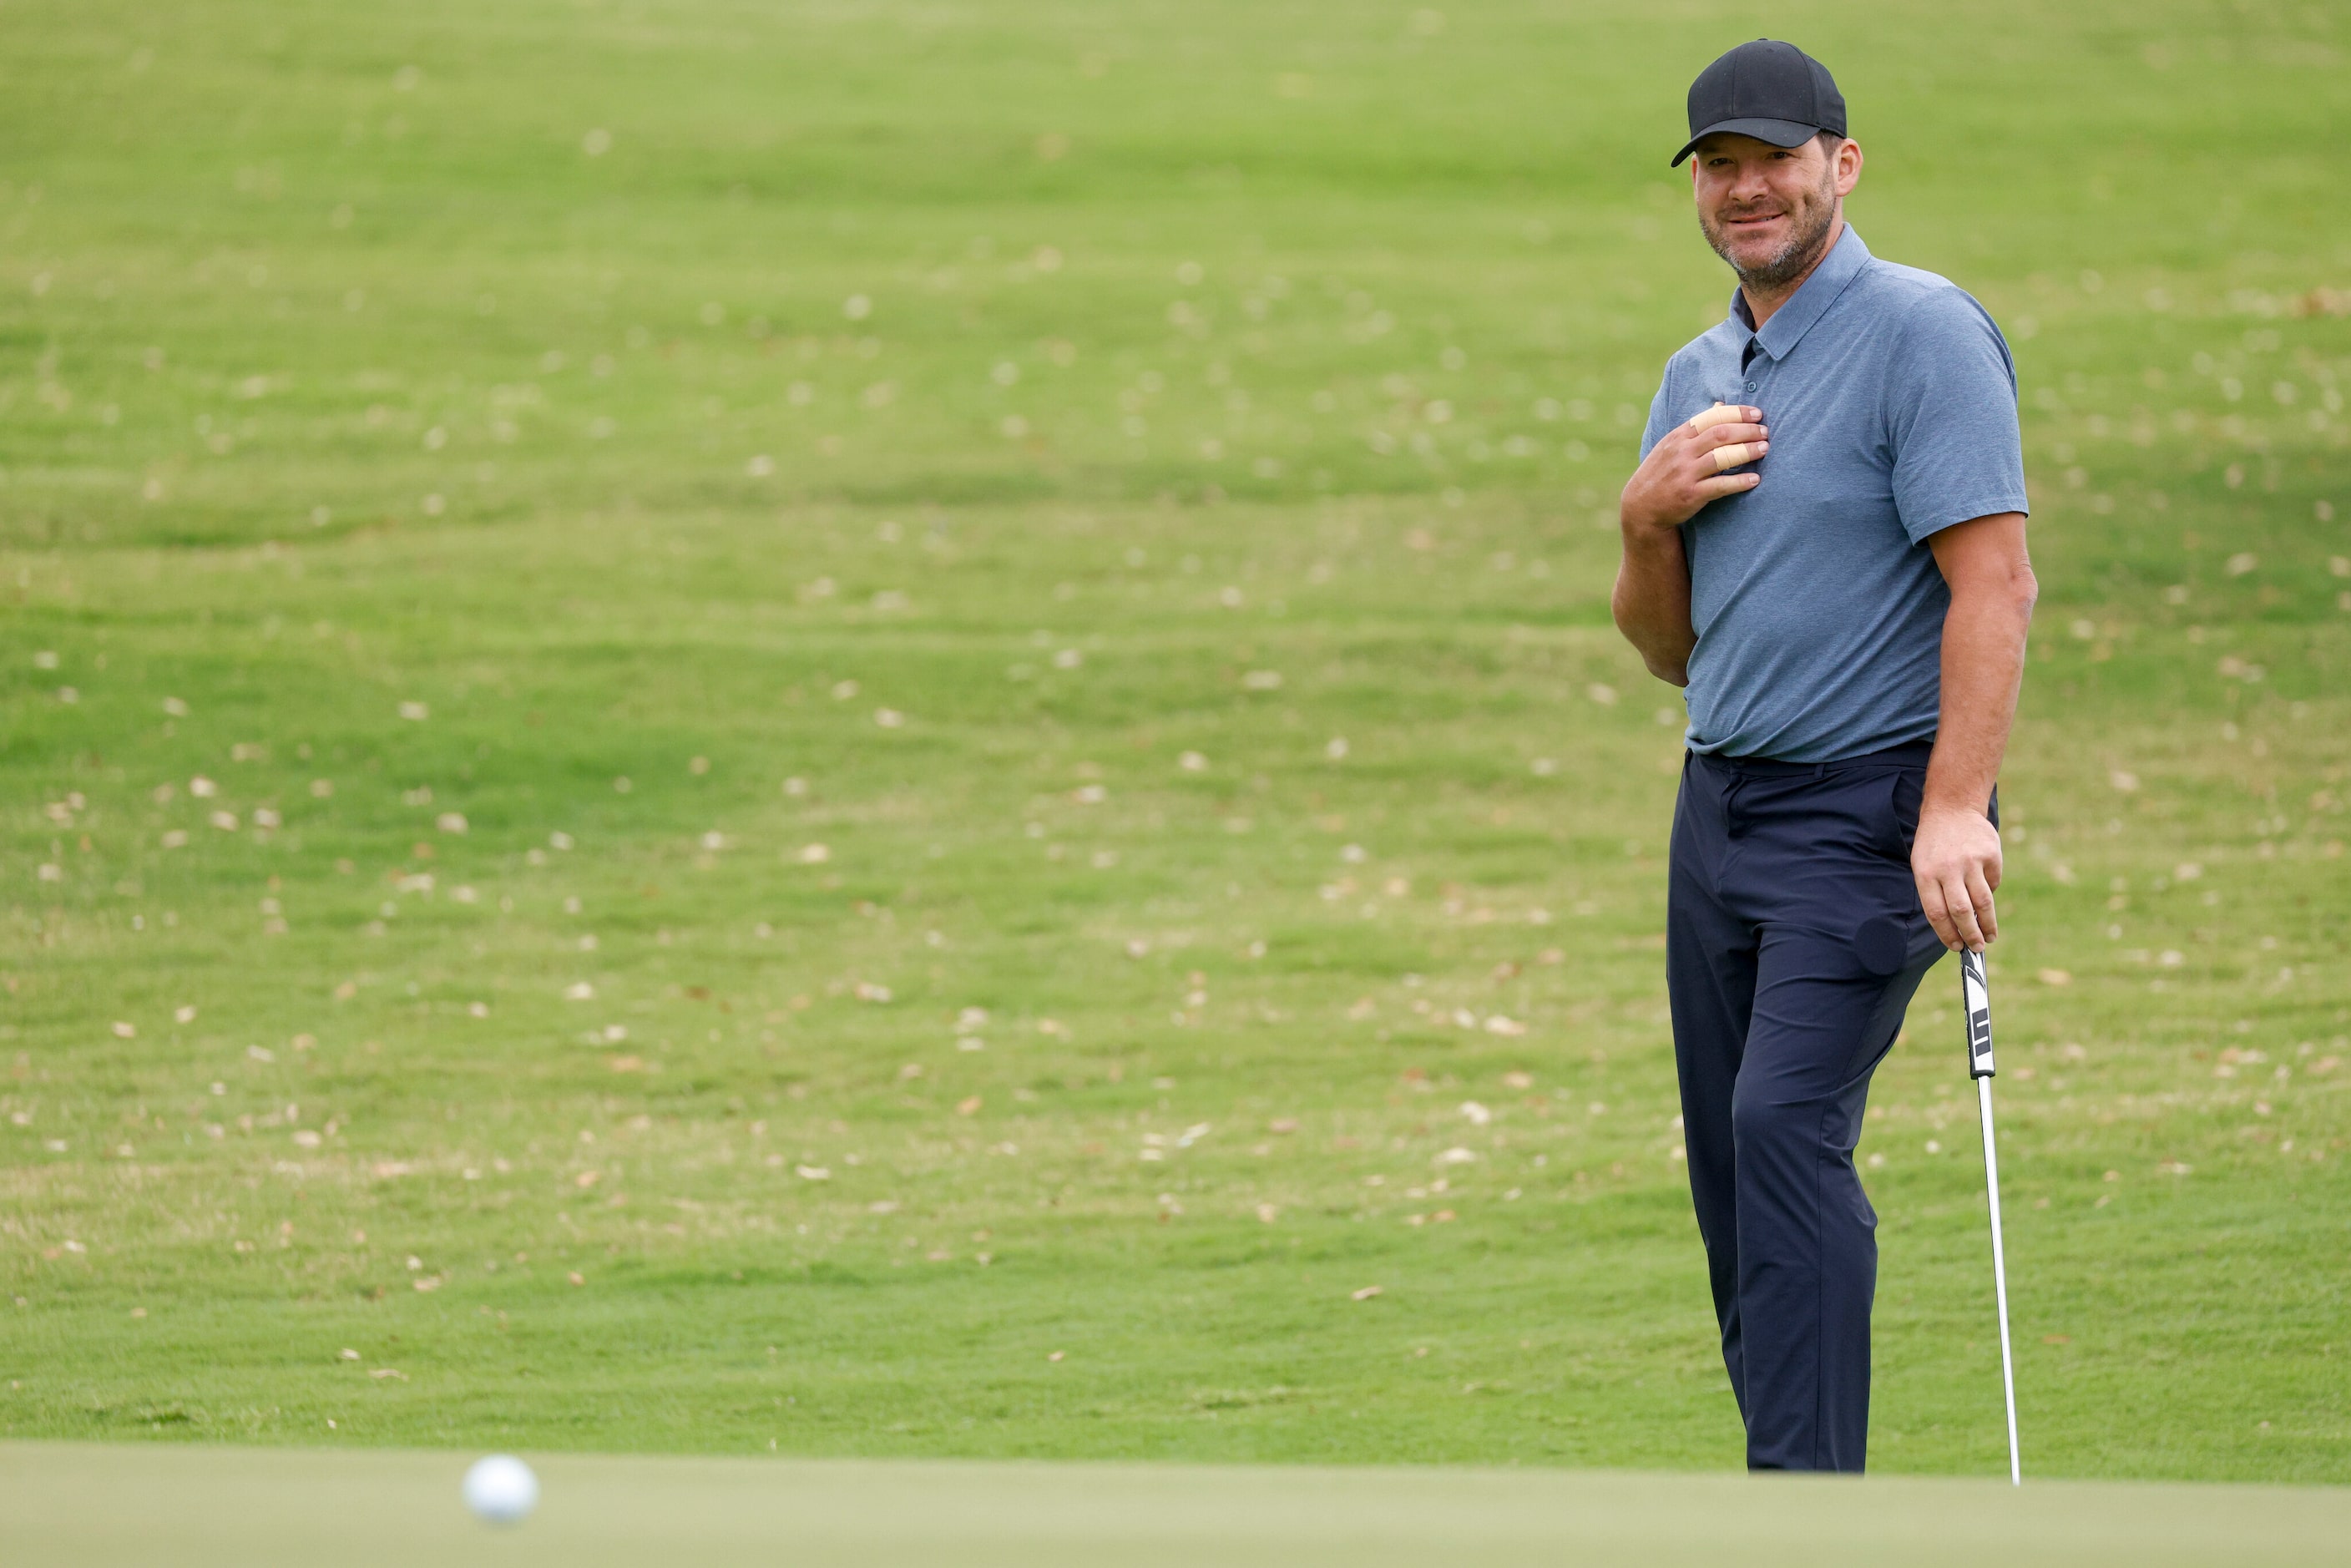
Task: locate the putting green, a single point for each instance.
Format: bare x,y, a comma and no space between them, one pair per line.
890,731
66,1503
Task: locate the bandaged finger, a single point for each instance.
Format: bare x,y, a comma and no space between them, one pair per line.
1721,414
1738,452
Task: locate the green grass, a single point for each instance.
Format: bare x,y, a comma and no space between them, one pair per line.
232,1506
1055,379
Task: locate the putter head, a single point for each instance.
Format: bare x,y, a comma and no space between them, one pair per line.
1975,998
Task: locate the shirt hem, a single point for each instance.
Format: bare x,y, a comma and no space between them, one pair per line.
1840,751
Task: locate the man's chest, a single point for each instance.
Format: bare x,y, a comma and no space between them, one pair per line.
1826,500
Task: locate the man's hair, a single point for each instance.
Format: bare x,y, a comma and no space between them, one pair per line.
1830,141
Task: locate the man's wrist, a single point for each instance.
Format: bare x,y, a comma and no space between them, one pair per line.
1641,527
1941,804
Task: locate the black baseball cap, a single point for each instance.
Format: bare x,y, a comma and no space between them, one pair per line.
1772,92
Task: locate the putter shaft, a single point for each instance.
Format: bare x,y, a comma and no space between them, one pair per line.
1975,996
2000,1279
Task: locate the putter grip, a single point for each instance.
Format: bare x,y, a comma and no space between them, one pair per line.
1975,999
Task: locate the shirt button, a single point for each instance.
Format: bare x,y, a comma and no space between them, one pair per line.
1751,386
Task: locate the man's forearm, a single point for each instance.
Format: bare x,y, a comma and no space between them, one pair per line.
1983,668
1651,601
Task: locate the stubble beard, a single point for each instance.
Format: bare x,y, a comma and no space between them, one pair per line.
1794,259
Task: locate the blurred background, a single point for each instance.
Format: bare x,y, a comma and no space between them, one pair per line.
892,728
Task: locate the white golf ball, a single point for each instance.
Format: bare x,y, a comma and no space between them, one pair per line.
501,1489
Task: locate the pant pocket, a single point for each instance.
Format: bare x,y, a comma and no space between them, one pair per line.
1906,790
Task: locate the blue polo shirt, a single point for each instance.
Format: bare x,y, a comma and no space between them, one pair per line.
1818,606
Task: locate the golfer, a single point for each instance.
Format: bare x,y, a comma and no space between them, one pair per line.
1835,573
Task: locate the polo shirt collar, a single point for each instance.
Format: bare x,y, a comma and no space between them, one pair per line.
1789,323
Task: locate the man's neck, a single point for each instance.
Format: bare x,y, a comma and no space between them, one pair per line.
1761,306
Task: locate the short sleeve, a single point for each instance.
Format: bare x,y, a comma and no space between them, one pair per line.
1661,418
1951,417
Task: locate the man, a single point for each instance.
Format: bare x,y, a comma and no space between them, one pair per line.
1836,573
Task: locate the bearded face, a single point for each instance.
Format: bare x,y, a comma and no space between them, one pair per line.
1766,210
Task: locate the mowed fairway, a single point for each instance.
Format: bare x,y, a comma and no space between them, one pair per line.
889,730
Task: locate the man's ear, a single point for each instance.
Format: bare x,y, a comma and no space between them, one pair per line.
1848,166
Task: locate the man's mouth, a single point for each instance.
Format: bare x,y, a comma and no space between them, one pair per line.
1751,220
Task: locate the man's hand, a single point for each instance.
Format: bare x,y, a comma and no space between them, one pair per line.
1687,469
1682,473
1955,860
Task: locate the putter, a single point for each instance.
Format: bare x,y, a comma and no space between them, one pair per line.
1975,998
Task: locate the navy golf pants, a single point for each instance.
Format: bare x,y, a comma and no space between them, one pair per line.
1795,941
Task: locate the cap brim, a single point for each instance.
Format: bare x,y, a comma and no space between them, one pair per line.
1778,132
